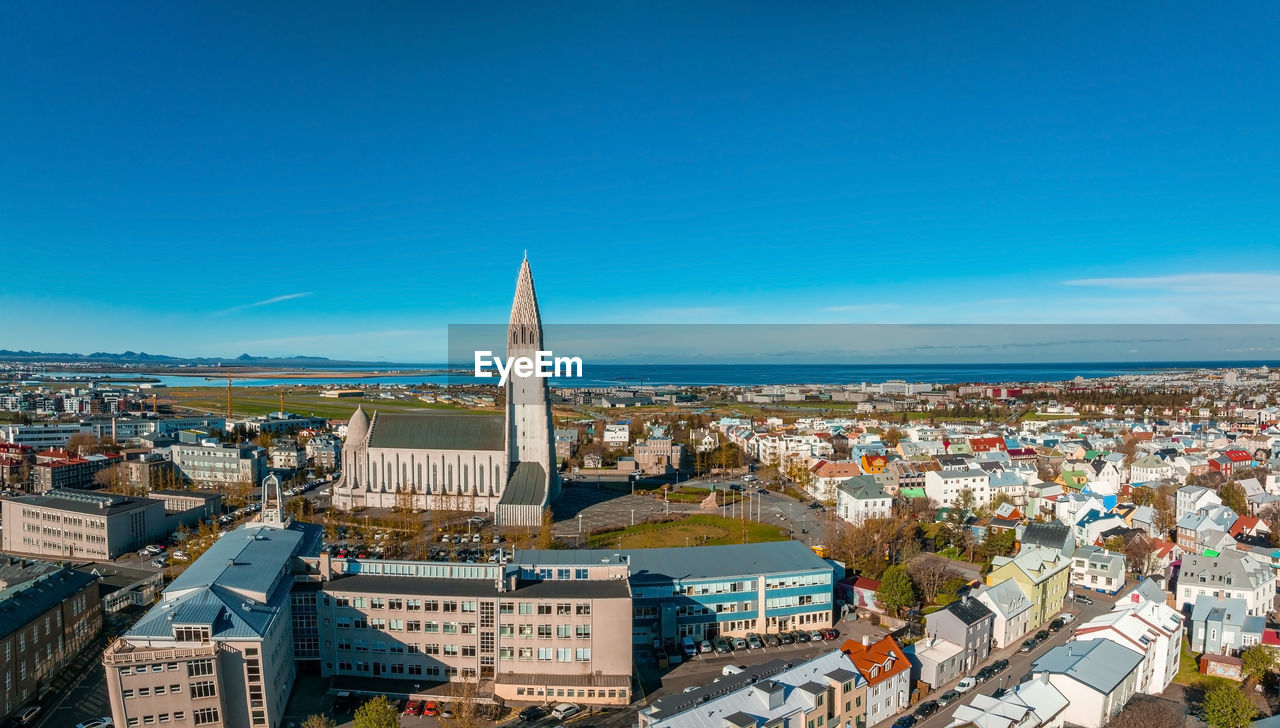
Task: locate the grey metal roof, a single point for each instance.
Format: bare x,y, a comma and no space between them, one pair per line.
85,501
700,562
33,597
1054,534
1100,664
248,560
550,589
863,487
526,487
438,431
968,610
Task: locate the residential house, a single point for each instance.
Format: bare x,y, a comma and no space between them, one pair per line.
1223,626
1052,534
827,475
888,674
860,498
946,486
966,624
1032,704
1229,575
1150,467
1147,626
1207,528
1097,677
1095,569
1042,573
1191,498
1011,611
826,690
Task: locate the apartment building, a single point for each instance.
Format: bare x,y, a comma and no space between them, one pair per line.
215,463
42,436
78,524
946,486
534,637
48,613
72,471
217,650
711,590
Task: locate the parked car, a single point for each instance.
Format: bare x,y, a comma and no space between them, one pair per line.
966,684
986,673
721,645
1067,617
771,640
801,636
565,710
1000,665
1056,625
1028,645
739,643
342,703
926,709
786,638
159,563
532,713
28,715
815,636
431,708
947,697
445,711
1083,599
413,707
905,721
705,646
830,633
754,642
1042,635
103,722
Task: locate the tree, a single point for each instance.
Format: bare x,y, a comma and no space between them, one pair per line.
546,538
319,721
1225,706
896,590
928,573
1234,497
463,704
1258,660
1146,711
1114,543
1140,555
377,713
891,438
951,590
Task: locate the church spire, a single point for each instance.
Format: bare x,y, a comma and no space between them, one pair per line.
525,328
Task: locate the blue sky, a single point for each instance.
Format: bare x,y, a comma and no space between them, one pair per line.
347,179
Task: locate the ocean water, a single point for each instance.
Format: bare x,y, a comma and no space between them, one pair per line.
604,375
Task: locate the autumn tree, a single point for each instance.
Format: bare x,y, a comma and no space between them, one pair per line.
950,591
1234,497
1147,711
896,592
1141,556
891,437
546,537
464,705
928,573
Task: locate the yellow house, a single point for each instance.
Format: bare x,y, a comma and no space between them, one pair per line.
1042,573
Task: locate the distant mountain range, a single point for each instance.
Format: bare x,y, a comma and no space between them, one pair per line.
141,357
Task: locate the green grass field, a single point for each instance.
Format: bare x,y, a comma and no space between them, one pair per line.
261,400
699,530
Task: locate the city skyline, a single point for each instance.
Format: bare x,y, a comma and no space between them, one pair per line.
349,184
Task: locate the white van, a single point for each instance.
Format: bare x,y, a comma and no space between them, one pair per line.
690,647
730,670
564,710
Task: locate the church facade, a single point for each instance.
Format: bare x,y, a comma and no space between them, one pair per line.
498,464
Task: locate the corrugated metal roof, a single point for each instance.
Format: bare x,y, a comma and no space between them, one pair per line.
1099,664
438,431
34,597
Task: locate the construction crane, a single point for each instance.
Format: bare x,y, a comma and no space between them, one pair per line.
208,379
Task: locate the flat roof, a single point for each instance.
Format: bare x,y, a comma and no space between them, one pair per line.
698,562
550,589
85,501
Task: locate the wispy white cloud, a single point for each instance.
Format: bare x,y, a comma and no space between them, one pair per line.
1188,282
267,302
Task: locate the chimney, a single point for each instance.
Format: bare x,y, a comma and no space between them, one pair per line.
1133,596
866,640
